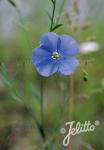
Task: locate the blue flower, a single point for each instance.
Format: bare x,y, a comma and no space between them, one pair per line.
56,54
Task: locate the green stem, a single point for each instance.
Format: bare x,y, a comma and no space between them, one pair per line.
42,130
53,14
42,117
42,108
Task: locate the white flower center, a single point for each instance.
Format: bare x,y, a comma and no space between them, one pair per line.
55,55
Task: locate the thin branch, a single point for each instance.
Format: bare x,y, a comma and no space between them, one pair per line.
53,14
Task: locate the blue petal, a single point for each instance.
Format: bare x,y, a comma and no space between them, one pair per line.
49,41
43,62
68,66
47,68
68,46
39,55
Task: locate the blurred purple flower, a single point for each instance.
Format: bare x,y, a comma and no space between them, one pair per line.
56,54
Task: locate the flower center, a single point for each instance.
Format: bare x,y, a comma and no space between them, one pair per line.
55,55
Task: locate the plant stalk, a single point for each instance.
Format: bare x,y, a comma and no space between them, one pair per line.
42,108
53,14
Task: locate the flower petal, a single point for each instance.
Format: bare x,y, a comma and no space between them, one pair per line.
47,67
68,66
39,55
49,41
43,62
68,46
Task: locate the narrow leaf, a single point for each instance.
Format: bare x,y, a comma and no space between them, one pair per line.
35,92
16,97
36,95
4,75
33,115
57,26
12,3
5,80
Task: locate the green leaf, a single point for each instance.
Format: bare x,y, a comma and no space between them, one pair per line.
35,92
16,97
37,96
4,75
12,2
9,83
34,116
57,26
5,80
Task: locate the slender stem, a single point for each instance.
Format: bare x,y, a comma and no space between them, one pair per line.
42,108
53,14
41,86
42,130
